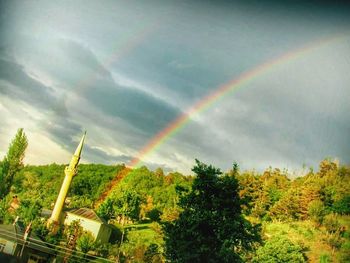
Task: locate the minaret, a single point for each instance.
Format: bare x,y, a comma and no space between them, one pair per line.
69,172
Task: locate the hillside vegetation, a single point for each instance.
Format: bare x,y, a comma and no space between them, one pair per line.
310,212
211,216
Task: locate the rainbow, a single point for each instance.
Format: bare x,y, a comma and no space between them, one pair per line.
209,100
225,89
126,46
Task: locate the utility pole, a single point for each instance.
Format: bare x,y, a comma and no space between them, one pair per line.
72,240
25,238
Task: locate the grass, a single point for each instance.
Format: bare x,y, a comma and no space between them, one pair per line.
143,233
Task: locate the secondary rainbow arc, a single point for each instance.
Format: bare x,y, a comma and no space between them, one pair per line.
213,97
226,88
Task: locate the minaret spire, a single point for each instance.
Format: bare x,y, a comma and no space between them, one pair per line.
70,171
76,157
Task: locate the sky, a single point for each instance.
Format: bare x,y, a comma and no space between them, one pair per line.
124,70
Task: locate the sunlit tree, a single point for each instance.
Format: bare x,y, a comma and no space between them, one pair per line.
12,162
211,227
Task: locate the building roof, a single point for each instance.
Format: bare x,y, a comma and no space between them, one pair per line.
15,233
86,213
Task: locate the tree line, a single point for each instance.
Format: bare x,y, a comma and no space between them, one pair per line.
212,216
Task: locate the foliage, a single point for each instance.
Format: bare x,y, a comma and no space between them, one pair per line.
317,211
12,162
344,255
86,242
177,201
325,258
142,244
334,240
152,254
29,210
105,210
5,216
287,208
211,227
156,195
30,181
342,206
331,223
279,249
127,204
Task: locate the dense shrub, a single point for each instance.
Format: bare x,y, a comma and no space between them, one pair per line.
279,249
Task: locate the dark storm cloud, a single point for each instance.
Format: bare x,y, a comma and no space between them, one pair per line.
78,68
91,81
203,49
81,56
63,131
23,87
101,156
124,70
144,111
296,118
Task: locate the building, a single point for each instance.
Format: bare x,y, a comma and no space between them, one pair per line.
34,250
90,222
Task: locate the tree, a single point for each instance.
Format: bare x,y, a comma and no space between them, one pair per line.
317,211
279,249
210,227
29,210
106,210
287,208
12,162
127,205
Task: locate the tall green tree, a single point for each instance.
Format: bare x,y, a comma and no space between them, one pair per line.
211,227
12,162
127,205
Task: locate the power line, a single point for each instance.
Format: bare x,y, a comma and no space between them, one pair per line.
61,249
50,244
52,249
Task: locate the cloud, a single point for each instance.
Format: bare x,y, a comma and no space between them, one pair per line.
18,85
63,75
101,156
143,110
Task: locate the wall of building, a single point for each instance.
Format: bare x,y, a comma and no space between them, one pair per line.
9,246
105,233
87,224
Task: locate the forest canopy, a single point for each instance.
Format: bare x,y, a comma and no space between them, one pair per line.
210,216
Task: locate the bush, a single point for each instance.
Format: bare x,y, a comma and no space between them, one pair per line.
325,258
344,253
342,206
317,211
331,223
334,240
279,249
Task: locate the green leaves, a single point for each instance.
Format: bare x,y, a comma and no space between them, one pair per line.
12,162
86,242
210,228
279,249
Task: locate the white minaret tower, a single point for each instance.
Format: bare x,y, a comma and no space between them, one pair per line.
70,171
